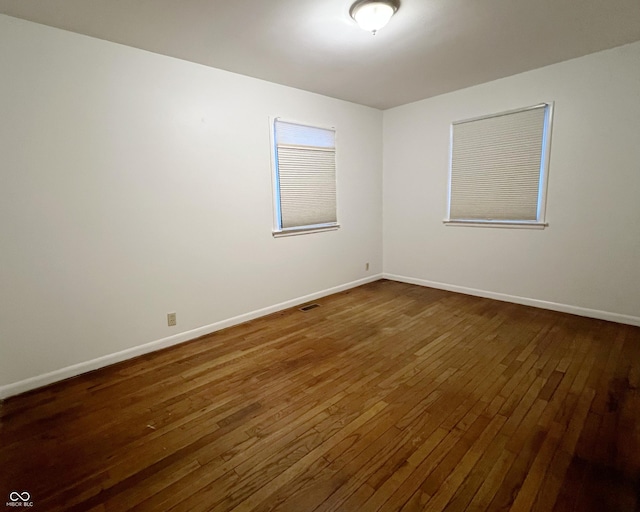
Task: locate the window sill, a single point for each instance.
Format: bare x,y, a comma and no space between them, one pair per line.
514,224
305,230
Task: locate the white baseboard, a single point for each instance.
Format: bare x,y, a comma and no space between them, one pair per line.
554,306
94,364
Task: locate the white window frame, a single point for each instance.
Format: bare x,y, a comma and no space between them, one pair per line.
279,231
540,222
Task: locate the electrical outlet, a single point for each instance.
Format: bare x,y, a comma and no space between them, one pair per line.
171,319
366,266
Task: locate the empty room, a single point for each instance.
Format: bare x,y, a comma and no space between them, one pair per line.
320,256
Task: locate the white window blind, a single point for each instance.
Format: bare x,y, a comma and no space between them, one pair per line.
305,176
498,167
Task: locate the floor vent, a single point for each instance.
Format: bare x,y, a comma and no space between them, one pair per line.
309,306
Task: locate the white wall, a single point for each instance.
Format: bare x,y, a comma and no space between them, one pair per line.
134,184
588,260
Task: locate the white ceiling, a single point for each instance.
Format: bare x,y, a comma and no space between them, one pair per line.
429,47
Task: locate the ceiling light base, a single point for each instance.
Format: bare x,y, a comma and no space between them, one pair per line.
372,15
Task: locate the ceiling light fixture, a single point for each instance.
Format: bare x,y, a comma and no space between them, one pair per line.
372,15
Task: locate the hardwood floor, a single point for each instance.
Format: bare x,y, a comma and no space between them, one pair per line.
386,397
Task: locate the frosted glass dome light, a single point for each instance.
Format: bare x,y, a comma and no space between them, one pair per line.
372,15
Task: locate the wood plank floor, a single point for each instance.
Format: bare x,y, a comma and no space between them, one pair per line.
386,397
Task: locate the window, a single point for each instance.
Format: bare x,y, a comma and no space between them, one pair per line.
499,168
305,178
